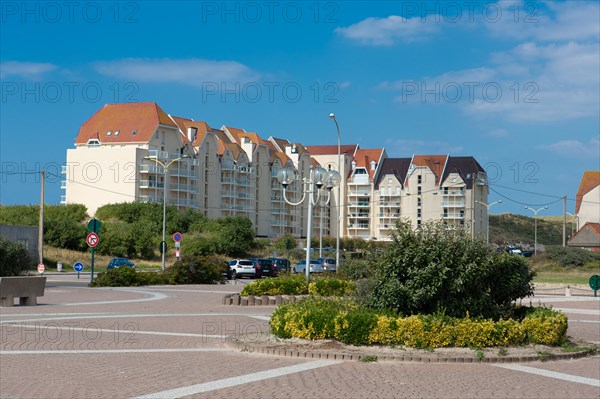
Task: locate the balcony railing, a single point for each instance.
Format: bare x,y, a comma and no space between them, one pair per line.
358,226
358,204
151,184
151,198
63,184
453,204
453,192
63,199
151,169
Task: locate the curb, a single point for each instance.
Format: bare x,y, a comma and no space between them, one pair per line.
260,300
333,355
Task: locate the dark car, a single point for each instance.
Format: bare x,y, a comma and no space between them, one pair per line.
266,268
282,264
115,263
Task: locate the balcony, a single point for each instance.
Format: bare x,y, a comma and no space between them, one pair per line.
159,155
151,198
452,216
151,169
453,193
184,202
63,170
389,204
361,193
183,187
358,204
63,199
151,184
182,173
358,226
453,204
63,184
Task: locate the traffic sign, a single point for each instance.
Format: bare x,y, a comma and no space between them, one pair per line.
162,247
78,267
41,268
92,239
177,237
94,226
595,283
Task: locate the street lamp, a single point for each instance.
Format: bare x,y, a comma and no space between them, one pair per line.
318,178
163,244
339,190
488,206
535,212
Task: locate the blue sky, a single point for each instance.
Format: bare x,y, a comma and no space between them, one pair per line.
515,84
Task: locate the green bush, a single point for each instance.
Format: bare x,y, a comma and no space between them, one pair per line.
196,270
571,257
282,285
14,258
150,278
120,277
432,269
352,324
356,269
332,287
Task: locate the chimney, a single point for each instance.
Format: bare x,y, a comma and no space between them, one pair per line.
192,133
353,165
373,165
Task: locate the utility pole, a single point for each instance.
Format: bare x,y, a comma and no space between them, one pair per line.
41,222
565,221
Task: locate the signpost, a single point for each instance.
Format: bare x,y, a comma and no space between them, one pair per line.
595,284
177,238
41,268
78,267
92,240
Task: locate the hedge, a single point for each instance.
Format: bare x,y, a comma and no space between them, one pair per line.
350,323
296,285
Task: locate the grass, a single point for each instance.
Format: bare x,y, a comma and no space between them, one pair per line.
70,257
562,278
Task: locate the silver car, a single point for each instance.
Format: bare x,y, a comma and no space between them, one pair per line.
314,267
328,264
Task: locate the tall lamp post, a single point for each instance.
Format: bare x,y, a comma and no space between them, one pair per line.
318,178
339,194
163,244
488,206
535,212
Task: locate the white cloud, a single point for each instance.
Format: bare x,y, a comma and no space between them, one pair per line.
575,148
548,21
388,31
193,71
422,147
28,70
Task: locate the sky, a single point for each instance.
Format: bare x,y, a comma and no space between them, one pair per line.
516,84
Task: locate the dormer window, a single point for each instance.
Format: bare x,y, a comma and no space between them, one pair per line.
93,143
134,132
360,171
109,133
117,132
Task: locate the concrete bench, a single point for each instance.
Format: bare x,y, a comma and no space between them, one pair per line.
27,289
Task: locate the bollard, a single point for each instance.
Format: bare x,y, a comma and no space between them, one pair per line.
59,267
568,291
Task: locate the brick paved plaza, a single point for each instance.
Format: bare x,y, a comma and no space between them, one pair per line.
170,342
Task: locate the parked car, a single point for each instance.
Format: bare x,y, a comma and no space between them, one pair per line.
115,263
314,267
282,264
242,267
328,264
266,268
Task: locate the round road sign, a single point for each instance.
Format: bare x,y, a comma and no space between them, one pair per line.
92,239
177,237
41,268
78,266
595,282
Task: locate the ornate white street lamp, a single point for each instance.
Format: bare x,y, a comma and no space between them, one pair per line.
535,212
339,199
318,178
488,206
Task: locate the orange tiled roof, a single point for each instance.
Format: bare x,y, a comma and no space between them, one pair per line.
126,118
363,159
201,126
435,163
349,149
589,181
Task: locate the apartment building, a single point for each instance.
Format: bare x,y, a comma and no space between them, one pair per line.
138,152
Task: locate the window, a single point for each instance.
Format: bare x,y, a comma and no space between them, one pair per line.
109,133
419,222
134,132
418,213
419,190
93,143
419,202
419,179
117,132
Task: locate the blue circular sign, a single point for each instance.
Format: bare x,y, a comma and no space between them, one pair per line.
78,267
177,237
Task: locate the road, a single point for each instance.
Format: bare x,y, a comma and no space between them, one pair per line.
171,342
